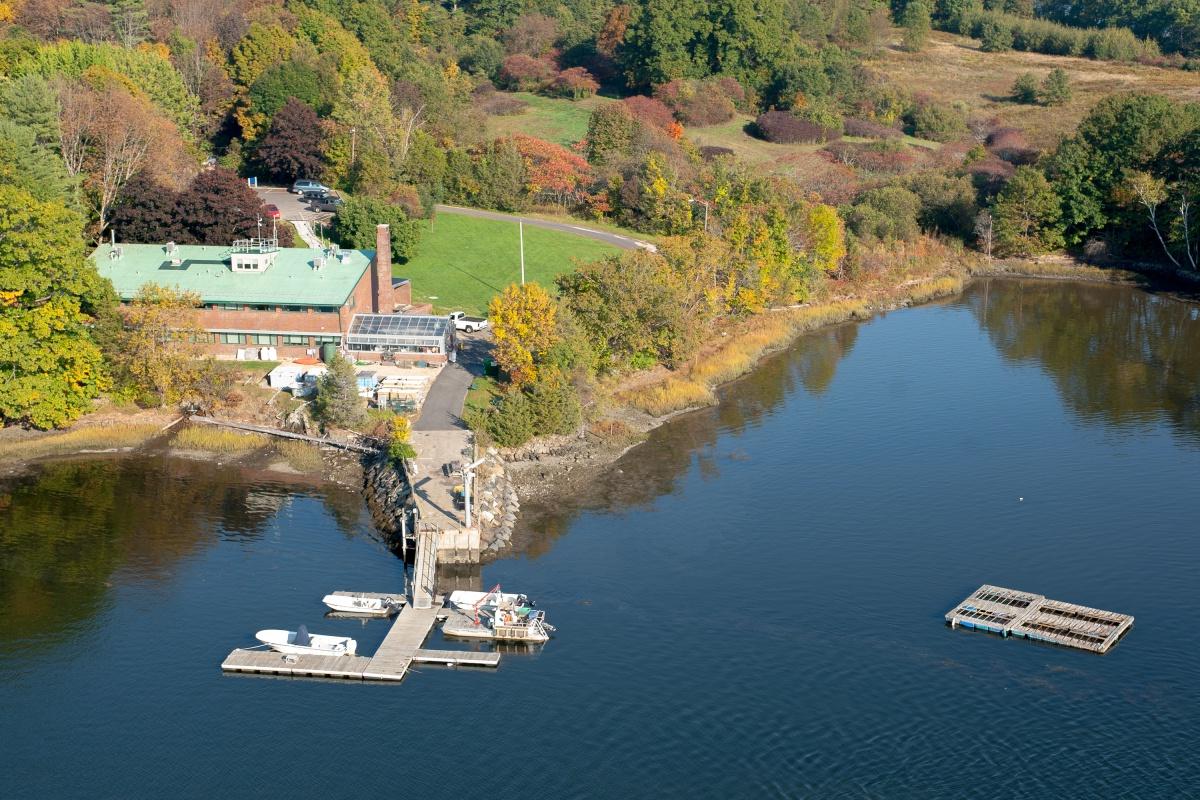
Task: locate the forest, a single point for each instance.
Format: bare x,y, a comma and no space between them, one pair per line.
141,119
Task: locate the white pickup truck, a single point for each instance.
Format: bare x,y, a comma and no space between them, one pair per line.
469,324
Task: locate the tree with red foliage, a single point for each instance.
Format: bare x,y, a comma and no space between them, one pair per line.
532,34
650,111
292,148
575,83
554,171
612,33
216,208
525,73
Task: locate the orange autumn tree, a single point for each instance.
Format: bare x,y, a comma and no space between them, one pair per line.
553,171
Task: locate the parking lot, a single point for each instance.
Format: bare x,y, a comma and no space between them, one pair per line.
295,209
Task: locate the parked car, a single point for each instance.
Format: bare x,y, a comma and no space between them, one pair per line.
469,324
271,211
315,194
304,185
330,202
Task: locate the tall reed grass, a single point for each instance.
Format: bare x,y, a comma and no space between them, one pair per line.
300,456
217,440
99,437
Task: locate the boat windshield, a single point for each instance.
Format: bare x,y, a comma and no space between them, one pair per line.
302,638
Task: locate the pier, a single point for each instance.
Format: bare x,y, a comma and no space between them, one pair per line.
400,649
1009,612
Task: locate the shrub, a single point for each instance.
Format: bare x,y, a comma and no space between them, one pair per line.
649,111
711,152
936,121
525,73
1011,145
995,37
1056,89
889,213
575,83
696,103
511,423
884,156
783,127
1025,89
868,129
502,105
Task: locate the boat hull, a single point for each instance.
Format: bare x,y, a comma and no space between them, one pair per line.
365,606
284,642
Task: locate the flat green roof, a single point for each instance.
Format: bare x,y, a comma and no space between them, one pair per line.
204,269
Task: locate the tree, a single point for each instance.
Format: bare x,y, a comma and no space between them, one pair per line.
129,22
1028,215
50,368
30,102
609,134
34,167
888,213
1056,88
575,83
293,146
916,25
357,221
995,37
219,208
159,347
1177,236
525,73
985,231
553,171
532,34
1025,88
523,324
337,402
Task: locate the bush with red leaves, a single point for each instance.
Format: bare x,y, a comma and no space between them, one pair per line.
782,127
575,83
649,111
526,73
1011,145
868,129
696,103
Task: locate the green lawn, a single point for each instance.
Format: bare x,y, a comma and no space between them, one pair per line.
551,118
462,262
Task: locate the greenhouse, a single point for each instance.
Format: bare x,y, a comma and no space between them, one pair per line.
399,333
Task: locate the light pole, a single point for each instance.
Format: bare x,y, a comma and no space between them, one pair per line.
260,227
468,472
521,234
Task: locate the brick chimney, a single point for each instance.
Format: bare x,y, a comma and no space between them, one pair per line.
383,300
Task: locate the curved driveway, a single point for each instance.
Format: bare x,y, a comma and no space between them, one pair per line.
615,239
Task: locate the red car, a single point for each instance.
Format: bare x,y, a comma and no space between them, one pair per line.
272,211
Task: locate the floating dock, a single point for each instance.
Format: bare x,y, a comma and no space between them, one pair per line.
1009,612
401,648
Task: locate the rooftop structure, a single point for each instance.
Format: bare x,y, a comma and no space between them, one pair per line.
252,272
403,333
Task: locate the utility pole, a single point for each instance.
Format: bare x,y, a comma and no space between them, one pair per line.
468,473
521,233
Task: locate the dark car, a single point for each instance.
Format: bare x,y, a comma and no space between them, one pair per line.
330,202
315,194
271,211
304,185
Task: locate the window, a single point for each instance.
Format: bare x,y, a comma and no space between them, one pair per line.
263,308
226,306
264,338
332,339
204,338
231,338
295,340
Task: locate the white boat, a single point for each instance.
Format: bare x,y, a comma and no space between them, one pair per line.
467,602
301,642
499,617
361,603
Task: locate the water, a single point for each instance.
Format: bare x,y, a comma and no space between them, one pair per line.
751,607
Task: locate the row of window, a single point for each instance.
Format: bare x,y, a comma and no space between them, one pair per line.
242,307
269,339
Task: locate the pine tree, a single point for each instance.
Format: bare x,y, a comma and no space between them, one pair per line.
337,401
1025,88
916,24
1056,89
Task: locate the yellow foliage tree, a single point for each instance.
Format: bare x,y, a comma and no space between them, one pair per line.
820,236
523,320
159,349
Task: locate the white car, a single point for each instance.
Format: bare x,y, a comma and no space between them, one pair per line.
469,324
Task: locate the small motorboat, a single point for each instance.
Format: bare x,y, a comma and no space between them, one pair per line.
468,602
301,642
364,604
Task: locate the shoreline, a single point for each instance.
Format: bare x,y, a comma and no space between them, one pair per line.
549,466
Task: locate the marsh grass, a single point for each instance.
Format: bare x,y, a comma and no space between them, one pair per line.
106,437
300,456
217,440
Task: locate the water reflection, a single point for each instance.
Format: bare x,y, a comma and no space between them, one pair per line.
1117,355
71,530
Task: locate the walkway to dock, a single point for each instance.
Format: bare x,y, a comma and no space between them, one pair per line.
1009,612
243,426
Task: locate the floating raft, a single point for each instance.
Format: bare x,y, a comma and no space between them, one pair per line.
1009,612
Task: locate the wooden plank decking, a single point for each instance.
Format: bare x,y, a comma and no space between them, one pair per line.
400,649
1012,613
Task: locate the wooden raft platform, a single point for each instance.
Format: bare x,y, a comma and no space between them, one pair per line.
398,651
1009,612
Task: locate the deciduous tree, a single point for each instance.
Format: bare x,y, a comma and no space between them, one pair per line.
523,324
1028,215
159,347
293,146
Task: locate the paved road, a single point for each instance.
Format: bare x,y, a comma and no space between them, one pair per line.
615,239
443,406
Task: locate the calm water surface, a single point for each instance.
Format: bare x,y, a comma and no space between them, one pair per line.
750,607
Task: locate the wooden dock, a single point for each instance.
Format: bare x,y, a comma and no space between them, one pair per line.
400,649
1009,612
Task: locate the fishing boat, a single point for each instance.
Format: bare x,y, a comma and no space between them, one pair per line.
467,601
500,617
301,642
363,603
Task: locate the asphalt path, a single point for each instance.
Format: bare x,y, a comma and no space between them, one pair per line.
615,239
443,406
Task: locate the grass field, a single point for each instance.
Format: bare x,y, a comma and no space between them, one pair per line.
462,262
954,69
553,119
